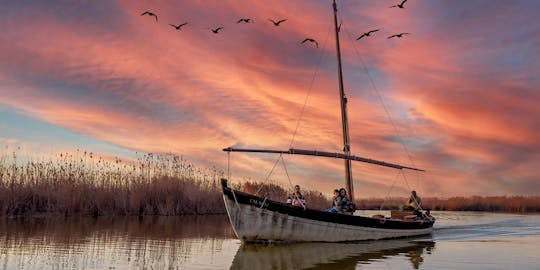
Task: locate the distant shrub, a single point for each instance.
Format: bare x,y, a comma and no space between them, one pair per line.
314,199
475,203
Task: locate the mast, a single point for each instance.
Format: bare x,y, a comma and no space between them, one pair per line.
344,121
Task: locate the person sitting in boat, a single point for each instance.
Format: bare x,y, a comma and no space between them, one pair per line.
335,201
343,201
296,198
415,203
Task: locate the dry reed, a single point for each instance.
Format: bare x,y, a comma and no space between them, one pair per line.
314,199
164,184
82,184
515,204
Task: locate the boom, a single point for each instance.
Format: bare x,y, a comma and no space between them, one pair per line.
294,151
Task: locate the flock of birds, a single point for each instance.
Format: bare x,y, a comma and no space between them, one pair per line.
279,22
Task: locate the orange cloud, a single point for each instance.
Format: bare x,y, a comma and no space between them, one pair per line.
140,84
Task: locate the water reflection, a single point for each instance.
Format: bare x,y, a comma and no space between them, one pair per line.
328,255
119,243
464,241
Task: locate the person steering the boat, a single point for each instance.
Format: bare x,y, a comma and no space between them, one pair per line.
415,203
296,198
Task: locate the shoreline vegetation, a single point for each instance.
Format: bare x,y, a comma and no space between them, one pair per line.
82,184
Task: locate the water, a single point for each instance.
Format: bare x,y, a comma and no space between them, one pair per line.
461,240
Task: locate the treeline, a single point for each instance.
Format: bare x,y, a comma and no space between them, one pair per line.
516,204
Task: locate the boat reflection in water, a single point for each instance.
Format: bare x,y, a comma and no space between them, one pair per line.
328,255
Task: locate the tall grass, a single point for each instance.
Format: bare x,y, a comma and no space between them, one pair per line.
514,204
488,203
314,199
83,184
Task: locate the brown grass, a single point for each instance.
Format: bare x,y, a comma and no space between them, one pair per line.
165,184
314,199
516,204
81,184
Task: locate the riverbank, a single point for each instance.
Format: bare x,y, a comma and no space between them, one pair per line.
81,184
508,204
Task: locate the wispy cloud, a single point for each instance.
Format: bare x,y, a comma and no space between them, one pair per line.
462,88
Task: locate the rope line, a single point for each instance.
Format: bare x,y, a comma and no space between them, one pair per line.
392,187
379,96
229,166
286,172
270,173
309,89
321,54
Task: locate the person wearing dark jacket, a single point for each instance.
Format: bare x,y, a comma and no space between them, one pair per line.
343,201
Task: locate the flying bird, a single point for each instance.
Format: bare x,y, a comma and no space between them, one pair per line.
246,20
278,22
399,5
215,31
399,35
150,14
368,33
310,40
178,27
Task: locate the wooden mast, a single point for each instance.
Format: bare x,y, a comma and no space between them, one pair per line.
344,121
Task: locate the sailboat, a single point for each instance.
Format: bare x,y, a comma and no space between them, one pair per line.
255,218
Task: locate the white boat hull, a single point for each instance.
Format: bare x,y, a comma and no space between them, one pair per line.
255,223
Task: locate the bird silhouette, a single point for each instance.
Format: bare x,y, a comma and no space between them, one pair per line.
246,20
310,40
215,31
178,27
150,14
399,35
368,33
399,5
278,22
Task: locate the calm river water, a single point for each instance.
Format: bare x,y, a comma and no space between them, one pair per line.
461,240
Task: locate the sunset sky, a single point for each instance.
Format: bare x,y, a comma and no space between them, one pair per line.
462,90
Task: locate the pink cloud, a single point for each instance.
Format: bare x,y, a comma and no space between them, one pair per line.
145,86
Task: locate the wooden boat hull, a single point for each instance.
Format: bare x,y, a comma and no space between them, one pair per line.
257,219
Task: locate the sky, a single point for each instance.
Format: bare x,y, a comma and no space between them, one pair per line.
457,97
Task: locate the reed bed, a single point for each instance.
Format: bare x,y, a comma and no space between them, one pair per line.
514,204
83,184
314,199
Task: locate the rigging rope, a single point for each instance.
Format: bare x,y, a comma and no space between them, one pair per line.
392,187
321,54
270,173
376,90
286,172
310,88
